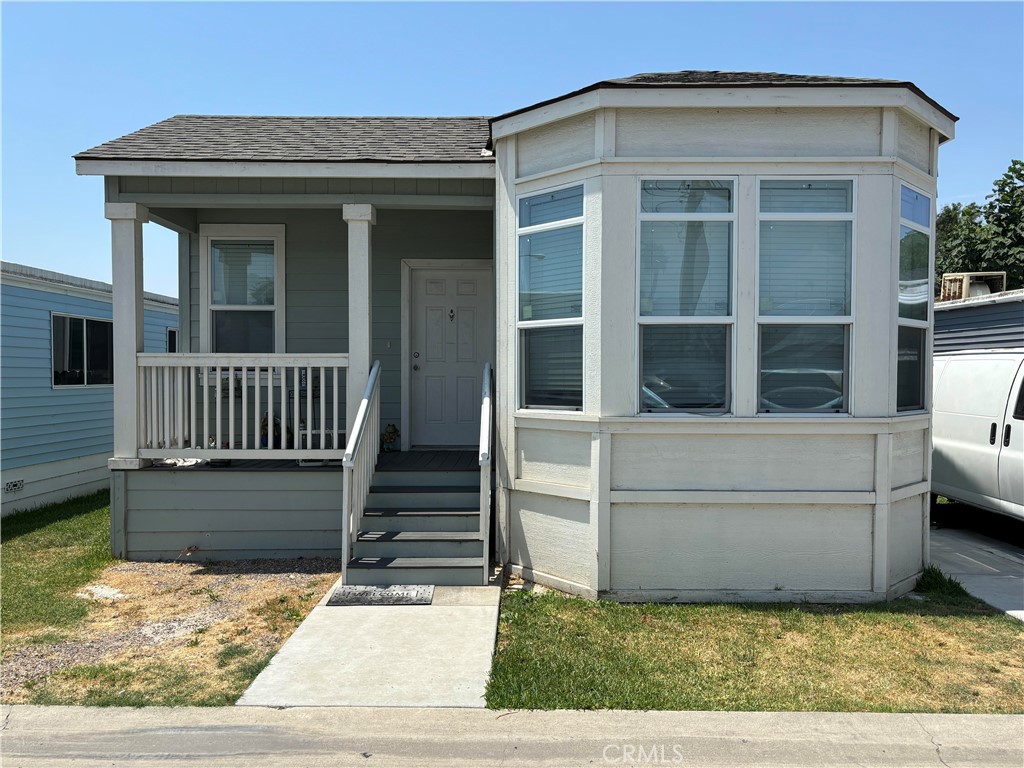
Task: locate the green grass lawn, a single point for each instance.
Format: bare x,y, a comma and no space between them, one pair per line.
946,652
48,554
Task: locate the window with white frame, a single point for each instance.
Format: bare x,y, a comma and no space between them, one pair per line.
914,287
685,307
243,268
172,339
550,287
805,276
82,351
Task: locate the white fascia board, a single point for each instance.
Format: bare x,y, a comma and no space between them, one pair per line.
725,98
221,169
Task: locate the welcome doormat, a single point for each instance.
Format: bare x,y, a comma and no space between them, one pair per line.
397,594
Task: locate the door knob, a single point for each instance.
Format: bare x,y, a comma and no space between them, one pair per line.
415,367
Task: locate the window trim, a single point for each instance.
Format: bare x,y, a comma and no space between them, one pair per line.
844,320
727,320
209,232
524,325
85,350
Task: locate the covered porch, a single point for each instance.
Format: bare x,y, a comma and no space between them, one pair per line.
287,308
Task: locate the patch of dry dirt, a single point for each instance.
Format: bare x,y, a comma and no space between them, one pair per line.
183,612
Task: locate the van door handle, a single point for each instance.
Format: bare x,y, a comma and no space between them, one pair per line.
1006,436
992,433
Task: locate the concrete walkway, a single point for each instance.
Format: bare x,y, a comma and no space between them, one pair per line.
234,737
989,569
436,655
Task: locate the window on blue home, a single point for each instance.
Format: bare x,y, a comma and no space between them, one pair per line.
685,313
805,269
550,286
82,351
172,339
914,288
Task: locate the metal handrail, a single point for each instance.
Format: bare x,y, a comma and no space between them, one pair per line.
486,442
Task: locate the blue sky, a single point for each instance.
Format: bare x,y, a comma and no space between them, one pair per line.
75,75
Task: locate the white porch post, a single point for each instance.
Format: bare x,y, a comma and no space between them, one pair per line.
126,220
360,311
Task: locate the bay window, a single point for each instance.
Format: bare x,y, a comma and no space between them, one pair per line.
805,272
685,308
550,290
913,292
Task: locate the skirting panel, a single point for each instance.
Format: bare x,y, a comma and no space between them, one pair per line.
746,548
553,535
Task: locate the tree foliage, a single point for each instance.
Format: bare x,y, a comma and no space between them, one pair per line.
987,237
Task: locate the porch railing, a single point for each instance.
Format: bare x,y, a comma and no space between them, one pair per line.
486,445
359,462
224,406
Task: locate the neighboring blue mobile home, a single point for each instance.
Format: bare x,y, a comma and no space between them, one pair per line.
57,407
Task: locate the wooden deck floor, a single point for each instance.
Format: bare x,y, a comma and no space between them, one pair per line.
428,461
397,461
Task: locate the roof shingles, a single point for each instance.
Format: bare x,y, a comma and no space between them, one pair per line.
219,138
303,139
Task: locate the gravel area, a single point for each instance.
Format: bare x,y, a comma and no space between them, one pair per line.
146,605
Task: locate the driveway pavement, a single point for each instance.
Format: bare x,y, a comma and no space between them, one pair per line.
989,569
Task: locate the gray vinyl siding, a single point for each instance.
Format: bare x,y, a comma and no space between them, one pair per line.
316,275
414,235
228,514
984,326
38,422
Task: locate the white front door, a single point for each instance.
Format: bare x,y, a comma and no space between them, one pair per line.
451,336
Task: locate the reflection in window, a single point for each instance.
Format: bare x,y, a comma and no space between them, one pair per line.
550,237
803,368
910,359
684,268
684,367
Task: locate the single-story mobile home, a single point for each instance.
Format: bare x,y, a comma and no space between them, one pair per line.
704,297
56,376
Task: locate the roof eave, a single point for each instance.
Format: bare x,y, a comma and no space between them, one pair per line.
599,95
214,168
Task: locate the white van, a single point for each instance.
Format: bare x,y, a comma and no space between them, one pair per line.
978,429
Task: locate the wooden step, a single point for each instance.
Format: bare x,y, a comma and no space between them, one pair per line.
447,518
425,544
394,477
386,571
427,495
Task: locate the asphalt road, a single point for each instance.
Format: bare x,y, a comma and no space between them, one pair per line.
54,737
